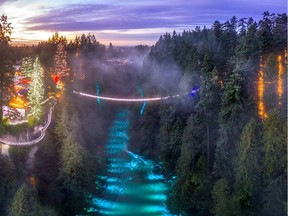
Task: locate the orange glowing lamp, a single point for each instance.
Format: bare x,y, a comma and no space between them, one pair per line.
17,102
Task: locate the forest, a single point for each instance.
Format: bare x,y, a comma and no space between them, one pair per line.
225,147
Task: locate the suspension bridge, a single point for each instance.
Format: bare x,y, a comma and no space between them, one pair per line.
43,129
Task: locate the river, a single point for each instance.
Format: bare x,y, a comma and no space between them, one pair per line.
133,185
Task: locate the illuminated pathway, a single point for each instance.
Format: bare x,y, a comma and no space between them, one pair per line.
132,185
18,122
133,100
34,141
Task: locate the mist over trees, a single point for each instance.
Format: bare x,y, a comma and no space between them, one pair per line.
225,156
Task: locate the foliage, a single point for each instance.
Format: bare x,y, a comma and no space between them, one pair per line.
23,203
222,198
5,63
230,125
248,170
170,137
275,197
224,163
76,165
46,179
7,180
60,59
36,91
221,128
275,145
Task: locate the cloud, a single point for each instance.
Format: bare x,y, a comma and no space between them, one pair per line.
128,15
105,17
81,17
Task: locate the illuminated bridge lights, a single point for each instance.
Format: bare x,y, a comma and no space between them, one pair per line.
129,100
144,103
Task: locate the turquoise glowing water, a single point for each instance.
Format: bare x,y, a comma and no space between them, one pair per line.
132,185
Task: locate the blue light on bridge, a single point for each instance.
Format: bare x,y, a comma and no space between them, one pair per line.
97,93
194,91
144,103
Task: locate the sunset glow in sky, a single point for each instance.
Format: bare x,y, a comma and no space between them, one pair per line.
124,22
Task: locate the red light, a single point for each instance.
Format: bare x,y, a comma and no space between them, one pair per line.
56,79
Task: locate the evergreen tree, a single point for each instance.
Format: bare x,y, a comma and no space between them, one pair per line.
193,143
48,156
5,64
171,144
150,127
27,66
265,32
248,45
280,33
275,145
210,103
275,197
36,91
222,198
7,181
23,202
61,129
217,28
76,175
228,40
192,190
60,59
230,125
248,171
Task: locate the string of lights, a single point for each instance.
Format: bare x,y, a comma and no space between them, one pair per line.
19,122
34,141
135,100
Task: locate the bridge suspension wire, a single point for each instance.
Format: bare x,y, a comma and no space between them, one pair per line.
129,100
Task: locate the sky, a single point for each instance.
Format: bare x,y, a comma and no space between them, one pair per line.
123,22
